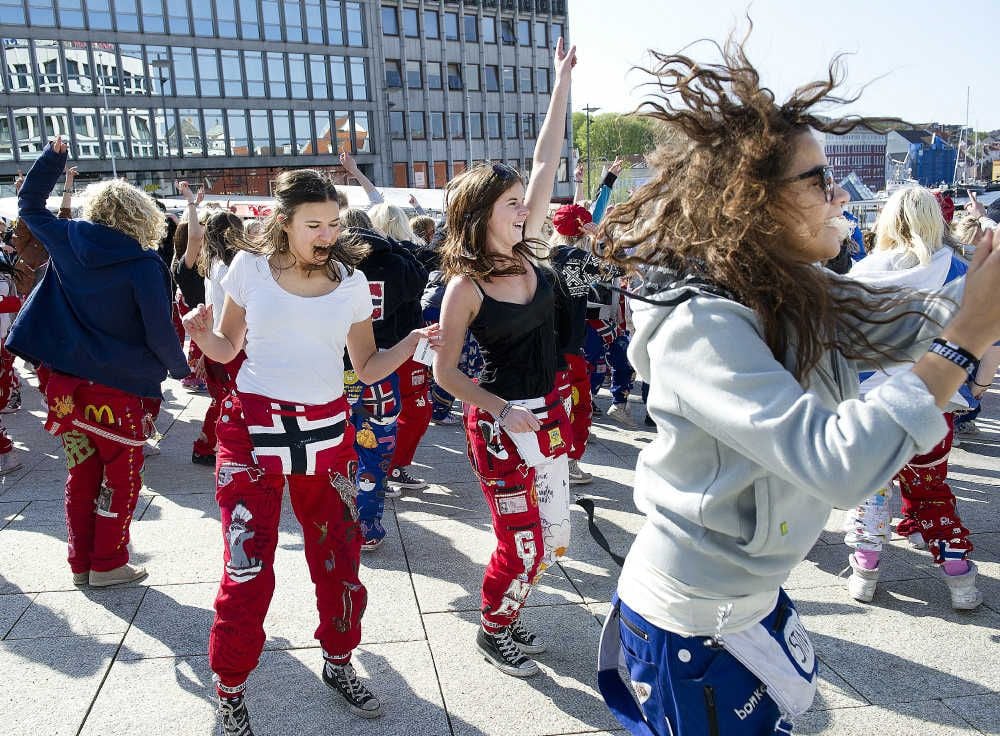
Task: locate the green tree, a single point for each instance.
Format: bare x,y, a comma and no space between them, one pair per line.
612,134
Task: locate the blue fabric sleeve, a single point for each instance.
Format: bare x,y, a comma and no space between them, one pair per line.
38,185
153,298
600,205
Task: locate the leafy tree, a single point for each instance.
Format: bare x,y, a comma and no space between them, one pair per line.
612,134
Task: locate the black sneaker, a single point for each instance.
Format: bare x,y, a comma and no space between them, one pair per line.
343,679
502,652
526,641
235,719
400,478
199,459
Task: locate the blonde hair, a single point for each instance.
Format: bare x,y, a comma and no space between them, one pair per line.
911,222
390,220
966,229
121,206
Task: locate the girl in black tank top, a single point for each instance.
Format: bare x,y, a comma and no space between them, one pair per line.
516,425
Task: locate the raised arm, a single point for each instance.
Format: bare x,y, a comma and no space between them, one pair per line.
34,193
351,166
196,233
66,206
549,144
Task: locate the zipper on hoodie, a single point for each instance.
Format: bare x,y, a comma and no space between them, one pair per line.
711,712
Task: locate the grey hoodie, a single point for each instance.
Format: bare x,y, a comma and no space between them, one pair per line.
747,465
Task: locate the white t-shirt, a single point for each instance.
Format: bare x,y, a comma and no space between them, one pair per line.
295,344
214,293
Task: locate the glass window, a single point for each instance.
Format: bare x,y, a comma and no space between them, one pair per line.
556,33
191,136
272,20
276,75
562,174
133,70
476,125
413,75
451,26
238,143
527,125
542,81
253,64
456,125
249,20
317,77
113,124
178,20
510,125
27,132
140,131
454,76
6,139
507,32
338,75
471,29
472,77
493,124
152,19
492,78
215,133
420,174
524,78
297,76
281,125
158,78
203,25
12,13
432,27
84,122
417,125
208,73
437,125
70,13
183,71
541,36
19,66
335,22
232,72
355,25
293,20
393,73
390,21
434,75
411,23
99,15
489,29
48,76
397,128
314,21
167,133
225,14
362,140
508,79
40,13
126,15
304,143
260,132
329,138
359,78
524,33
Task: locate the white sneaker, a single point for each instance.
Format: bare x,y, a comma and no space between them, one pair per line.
9,462
577,475
619,413
861,585
965,596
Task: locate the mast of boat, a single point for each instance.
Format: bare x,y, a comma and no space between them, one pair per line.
961,136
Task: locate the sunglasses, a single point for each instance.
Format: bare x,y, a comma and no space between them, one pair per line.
825,176
503,171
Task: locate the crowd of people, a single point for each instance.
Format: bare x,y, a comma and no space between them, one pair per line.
329,338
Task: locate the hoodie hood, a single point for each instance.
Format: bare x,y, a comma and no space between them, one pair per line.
99,246
376,241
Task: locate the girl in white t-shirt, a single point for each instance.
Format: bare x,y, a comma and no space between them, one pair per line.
213,262
293,301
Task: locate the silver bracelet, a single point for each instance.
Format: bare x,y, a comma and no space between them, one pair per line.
504,412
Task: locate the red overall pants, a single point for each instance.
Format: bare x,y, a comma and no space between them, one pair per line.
220,377
577,377
250,504
8,379
104,476
415,411
928,505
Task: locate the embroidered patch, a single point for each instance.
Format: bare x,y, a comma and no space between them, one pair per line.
77,447
555,439
642,691
377,289
241,566
366,437
348,493
511,503
63,406
491,433
417,378
99,414
102,505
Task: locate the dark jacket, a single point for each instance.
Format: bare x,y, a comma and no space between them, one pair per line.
578,271
102,310
397,282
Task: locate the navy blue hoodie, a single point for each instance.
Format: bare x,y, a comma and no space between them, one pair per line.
102,310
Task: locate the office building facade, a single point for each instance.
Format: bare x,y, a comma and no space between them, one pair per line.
231,92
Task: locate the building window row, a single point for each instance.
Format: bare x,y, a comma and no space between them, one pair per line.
477,78
149,133
420,175
81,67
481,125
333,22
430,24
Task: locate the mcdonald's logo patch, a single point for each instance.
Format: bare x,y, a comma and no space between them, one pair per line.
99,415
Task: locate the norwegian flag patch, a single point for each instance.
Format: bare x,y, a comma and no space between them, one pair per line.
378,299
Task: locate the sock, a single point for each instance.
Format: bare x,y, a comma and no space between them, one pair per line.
867,558
955,567
337,660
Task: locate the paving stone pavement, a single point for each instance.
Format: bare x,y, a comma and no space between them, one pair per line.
133,660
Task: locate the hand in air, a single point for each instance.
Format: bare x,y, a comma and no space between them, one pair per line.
59,145
564,60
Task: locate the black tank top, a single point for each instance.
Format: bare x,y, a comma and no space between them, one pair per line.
518,343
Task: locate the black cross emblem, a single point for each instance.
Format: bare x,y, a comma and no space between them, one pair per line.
295,438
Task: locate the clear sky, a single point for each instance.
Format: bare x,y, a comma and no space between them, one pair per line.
918,55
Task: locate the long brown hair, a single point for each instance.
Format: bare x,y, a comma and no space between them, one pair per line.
294,188
469,200
218,246
715,202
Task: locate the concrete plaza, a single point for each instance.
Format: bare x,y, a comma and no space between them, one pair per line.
132,660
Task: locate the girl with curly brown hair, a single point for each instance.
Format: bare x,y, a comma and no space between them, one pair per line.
515,421
752,353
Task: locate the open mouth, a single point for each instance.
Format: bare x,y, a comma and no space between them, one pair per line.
321,252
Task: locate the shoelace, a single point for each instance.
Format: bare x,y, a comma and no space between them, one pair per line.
517,630
348,678
235,719
508,647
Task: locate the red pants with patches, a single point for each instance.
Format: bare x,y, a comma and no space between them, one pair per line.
581,405
928,505
194,352
104,478
221,378
415,411
8,379
529,508
250,504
